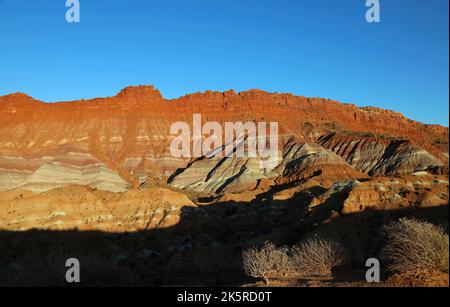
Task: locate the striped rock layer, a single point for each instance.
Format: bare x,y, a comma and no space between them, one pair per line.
120,142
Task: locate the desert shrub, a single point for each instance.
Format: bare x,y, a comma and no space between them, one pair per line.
413,244
265,260
316,257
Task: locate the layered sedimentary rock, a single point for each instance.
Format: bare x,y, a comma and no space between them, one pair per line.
298,161
306,160
57,168
380,156
97,177
124,140
81,208
420,190
217,175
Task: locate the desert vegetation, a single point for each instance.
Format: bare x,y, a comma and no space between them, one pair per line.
316,257
261,262
313,257
416,245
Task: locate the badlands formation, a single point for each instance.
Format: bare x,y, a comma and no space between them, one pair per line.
119,143
105,165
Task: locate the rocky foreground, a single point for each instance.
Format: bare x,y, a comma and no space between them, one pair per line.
95,179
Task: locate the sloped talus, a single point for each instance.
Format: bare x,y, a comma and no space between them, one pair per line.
380,156
299,161
217,175
76,207
305,160
59,168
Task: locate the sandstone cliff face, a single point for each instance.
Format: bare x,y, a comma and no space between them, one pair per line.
124,140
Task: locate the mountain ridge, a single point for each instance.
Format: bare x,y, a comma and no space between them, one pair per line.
128,135
151,89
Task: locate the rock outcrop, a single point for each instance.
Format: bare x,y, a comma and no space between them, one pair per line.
421,190
380,156
305,161
58,168
124,140
81,208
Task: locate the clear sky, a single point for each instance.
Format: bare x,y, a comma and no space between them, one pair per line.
320,48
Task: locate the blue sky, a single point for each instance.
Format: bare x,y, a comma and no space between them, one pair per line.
318,48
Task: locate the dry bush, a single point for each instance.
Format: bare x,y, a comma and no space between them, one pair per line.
282,260
413,245
266,260
316,257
